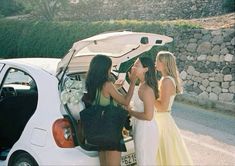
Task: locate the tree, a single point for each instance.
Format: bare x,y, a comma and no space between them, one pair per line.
48,9
10,7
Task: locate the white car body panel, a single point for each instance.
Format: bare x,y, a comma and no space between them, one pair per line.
47,94
1,66
37,137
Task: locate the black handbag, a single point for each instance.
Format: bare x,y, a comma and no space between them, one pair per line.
102,125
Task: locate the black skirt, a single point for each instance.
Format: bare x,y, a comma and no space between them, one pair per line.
121,147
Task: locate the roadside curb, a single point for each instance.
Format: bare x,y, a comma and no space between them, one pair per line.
223,107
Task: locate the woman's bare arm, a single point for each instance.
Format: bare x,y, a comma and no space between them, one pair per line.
117,96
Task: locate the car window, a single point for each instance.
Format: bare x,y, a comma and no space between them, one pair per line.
17,83
17,79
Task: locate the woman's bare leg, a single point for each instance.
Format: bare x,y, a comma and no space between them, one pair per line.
102,157
113,158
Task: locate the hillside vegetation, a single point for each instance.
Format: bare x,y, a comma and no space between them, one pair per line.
53,39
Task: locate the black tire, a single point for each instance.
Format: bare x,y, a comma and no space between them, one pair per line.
23,159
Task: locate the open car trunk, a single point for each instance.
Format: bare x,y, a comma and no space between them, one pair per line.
119,46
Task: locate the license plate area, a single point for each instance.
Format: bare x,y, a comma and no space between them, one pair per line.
129,160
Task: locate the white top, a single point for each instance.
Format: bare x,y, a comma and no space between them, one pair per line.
145,134
136,103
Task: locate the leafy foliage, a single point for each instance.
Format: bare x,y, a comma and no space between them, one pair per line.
45,9
54,39
10,7
229,5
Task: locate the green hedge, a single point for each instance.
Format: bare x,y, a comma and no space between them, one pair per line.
20,38
229,5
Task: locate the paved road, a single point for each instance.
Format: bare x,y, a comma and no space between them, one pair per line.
209,136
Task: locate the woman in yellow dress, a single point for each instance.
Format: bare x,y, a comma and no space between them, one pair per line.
171,149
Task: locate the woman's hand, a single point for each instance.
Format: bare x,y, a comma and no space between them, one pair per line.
128,108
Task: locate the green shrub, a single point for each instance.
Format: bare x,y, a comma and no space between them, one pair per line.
229,5
10,7
21,38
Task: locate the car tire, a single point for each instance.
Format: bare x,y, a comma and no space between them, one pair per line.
23,159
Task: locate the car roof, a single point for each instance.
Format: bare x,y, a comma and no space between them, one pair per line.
47,64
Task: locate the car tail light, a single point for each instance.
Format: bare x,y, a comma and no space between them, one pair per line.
62,133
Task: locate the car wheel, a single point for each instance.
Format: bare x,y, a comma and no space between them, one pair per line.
23,159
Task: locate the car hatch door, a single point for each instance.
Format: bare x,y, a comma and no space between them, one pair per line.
119,46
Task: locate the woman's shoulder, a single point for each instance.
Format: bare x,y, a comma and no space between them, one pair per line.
147,89
168,80
108,84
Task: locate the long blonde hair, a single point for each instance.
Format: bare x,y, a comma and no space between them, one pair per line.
170,67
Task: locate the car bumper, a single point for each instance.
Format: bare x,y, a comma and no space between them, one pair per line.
68,156
54,155
78,156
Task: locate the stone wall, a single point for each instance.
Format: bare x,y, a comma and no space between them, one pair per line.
207,63
96,10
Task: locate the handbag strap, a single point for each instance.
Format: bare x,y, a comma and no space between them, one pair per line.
97,98
111,100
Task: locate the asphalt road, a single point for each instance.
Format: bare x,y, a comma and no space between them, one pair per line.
209,135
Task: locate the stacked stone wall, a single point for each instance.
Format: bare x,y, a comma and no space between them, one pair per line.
146,9
206,62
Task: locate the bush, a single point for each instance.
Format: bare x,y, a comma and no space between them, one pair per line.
229,5
10,7
53,39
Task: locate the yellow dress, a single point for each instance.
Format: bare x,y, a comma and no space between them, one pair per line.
172,149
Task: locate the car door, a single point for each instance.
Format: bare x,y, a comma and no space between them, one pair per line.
18,102
1,72
1,66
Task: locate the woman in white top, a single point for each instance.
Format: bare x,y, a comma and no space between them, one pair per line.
145,127
171,149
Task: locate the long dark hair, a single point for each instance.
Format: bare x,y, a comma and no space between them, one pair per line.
150,75
97,75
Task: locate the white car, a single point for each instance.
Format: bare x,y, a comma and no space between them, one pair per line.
38,125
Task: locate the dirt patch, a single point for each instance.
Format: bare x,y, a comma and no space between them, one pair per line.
218,22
